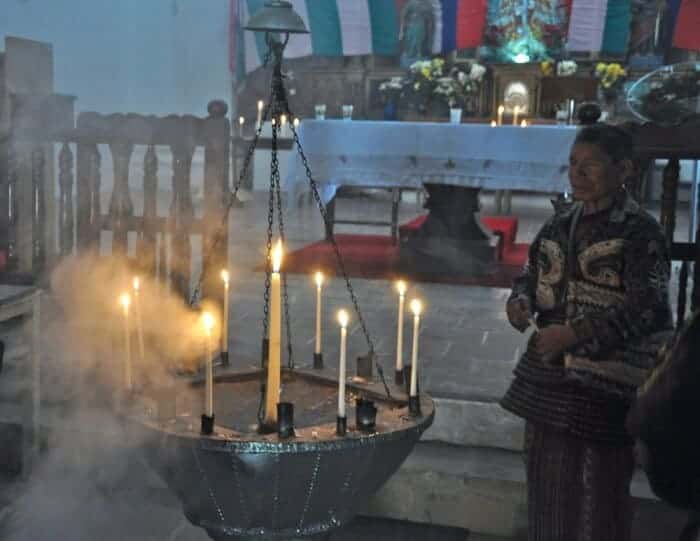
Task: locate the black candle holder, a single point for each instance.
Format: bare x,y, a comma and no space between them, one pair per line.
341,426
207,424
224,358
318,361
285,420
398,377
365,415
414,406
407,371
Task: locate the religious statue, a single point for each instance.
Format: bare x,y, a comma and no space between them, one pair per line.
417,31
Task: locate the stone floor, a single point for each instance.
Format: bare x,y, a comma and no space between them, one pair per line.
87,489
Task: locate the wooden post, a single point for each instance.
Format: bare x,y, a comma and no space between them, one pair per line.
38,210
88,181
65,202
121,210
147,253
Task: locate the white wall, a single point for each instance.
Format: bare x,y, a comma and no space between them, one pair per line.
143,56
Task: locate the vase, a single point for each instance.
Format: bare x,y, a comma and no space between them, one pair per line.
455,115
390,110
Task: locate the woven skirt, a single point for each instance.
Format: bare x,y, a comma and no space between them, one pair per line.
577,490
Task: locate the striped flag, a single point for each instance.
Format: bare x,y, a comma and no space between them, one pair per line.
355,27
686,35
586,25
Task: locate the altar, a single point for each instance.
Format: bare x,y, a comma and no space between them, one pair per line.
452,162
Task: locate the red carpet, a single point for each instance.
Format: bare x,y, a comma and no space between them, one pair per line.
375,257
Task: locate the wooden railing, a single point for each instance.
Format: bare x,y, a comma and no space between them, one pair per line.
163,247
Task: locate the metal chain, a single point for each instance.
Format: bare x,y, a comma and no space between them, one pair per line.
338,256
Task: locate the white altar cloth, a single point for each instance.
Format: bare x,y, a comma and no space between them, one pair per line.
408,154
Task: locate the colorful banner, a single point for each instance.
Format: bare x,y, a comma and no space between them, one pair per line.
617,27
586,25
687,32
357,27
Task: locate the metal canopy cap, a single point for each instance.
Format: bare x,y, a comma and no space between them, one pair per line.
277,16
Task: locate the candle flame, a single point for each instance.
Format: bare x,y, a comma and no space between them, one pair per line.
277,256
273,121
225,276
401,287
125,301
416,307
523,124
493,124
343,318
296,122
319,278
241,120
516,109
137,283
283,120
207,322
501,108
260,105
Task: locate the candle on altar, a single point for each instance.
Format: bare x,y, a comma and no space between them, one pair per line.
416,308
241,121
493,124
319,287
342,368
501,110
516,111
139,318
260,111
275,330
224,319
524,123
296,124
208,325
283,125
125,301
401,288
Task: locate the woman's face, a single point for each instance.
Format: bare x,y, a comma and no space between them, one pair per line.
593,174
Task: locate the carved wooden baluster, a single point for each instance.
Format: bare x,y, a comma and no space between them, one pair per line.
65,202
181,214
89,219
38,210
12,220
669,198
150,226
216,193
121,210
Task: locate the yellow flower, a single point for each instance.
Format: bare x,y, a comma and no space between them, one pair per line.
425,72
547,67
600,68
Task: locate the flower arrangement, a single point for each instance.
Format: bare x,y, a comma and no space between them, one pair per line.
566,68
460,85
392,88
611,77
547,68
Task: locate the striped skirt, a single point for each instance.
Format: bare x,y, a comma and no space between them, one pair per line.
577,490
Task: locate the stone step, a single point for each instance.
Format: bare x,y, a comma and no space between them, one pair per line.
483,490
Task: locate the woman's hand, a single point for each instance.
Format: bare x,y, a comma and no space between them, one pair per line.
519,313
552,340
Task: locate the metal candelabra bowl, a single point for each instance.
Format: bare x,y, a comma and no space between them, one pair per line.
242,473
239,484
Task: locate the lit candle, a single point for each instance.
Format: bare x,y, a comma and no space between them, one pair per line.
501,109
241,121
260,111
401,287
224,320
125,301
523,124
319,287
416,308
493,124
208,324
296,124
139,319
343,320
516,110
283,125
275,326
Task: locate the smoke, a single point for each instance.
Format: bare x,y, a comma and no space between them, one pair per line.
91,481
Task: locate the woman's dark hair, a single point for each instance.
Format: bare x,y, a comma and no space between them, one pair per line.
614,141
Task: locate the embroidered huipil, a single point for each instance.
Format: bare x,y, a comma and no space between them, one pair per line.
612,289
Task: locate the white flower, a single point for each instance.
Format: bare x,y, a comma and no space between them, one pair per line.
566,67
462,77
477,72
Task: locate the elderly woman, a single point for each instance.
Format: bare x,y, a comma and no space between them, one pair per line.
596,289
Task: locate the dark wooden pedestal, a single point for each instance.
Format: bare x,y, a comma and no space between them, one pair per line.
452,239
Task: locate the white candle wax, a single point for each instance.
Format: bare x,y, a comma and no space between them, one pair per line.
139,318
275,343
342,368
416,308
319,287
260,111
493,123
241,121
501,109
516,110
208,323
401,286
224,320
